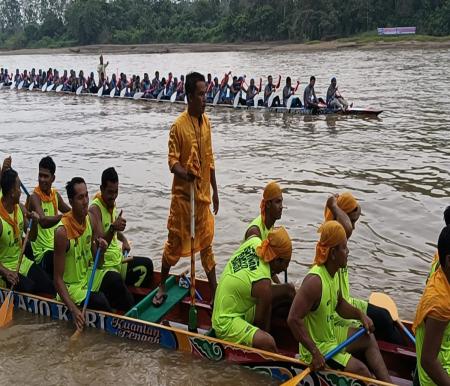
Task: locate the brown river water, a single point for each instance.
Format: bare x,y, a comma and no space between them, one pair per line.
398,166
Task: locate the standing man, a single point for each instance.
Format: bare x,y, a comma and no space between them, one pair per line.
101,68
48,204
191,160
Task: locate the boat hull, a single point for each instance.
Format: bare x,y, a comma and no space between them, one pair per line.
365,112
279,367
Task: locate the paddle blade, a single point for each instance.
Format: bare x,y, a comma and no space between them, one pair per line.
297,379
79,89
384,301
216,98
173,97
75,335
6,311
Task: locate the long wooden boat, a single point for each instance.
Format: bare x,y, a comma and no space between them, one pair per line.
365,112
171,332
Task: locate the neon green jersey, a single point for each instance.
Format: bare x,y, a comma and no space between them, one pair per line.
320,322
113,255
10,246
234,291
258,222
443,357
45,237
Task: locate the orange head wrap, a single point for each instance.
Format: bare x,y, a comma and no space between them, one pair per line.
277,245
346,202
53,198
331,234
271,191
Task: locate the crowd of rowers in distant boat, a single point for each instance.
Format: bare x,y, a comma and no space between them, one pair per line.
236,92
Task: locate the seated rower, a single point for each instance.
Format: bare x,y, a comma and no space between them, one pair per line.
311,318
245,295
431,324
271,208
47,203
13,222
289,91
139,271
310,100
75,246
435,262
334,98
269,89
181,92
345,209
252,91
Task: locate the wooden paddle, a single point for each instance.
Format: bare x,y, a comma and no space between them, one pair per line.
77,333
192,322
44,87
298,378
30,88
173,97
6,310
160,95
216,98
59,88
385,301
79,90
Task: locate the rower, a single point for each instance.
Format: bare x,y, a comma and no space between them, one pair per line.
224,87
101,68
91,85
26,79
155,85
81,81
209,89
345,209
48,204
181,92
17,77
236,88
191,160
252,91
271,208
311,316
435,262
310,100
113,84
139,271
288,91
245,295
335,100
431,323
13,221
269,89
103,82
76,242
145,85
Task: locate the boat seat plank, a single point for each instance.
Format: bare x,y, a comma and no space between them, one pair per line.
145,310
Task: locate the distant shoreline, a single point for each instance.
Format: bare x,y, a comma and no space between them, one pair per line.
373,43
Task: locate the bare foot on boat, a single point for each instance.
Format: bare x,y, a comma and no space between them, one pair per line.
160,297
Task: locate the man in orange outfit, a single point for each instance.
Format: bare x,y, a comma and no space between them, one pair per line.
191,160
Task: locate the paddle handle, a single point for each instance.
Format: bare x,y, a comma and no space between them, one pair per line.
298,378
24,245
407,332
24,189
91,280
192,228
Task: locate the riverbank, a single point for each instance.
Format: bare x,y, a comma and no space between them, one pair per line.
363,42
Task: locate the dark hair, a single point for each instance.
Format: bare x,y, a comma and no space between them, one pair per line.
288,79
447,215
312,78
9,178
443,245
48,163
191,82
109,175
70,186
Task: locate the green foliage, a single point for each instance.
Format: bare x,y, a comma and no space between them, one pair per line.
45,23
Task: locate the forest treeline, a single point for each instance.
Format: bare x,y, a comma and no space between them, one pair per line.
55,23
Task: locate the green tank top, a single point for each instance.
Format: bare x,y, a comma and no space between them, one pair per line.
234,291
10,247
45,237
113,255
320,322
258,222
77,261
443,357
